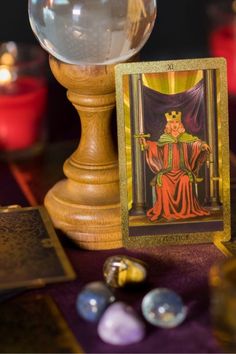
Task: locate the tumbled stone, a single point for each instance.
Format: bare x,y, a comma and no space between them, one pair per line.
163,308
120,325
93,300
121,270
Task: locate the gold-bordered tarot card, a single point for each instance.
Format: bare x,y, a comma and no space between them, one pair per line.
173,140
30,252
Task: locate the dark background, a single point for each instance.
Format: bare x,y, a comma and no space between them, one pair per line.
181,31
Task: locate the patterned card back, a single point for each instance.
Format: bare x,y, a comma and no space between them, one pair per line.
30,252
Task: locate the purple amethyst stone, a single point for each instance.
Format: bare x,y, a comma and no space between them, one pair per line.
120,325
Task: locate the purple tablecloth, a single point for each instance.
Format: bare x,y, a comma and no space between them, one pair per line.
184,269
181,268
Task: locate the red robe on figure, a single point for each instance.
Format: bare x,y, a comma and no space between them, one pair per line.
176,162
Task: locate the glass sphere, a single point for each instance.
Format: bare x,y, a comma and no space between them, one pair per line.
93,300
163,308
92,31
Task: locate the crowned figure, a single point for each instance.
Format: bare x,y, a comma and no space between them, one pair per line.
175,159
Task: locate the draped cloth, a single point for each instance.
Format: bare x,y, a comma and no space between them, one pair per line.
175,163
191,103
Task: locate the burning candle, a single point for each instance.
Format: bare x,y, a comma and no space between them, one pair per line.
222,38
23,97
223,44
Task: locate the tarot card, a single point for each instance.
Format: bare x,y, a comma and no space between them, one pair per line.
30,252
34,324
172,119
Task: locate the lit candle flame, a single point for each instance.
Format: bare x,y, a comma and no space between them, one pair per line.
7,59
6,75
7,62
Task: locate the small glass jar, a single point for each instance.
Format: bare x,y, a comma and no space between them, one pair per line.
223,303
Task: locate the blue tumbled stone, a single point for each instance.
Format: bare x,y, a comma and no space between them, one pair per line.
93,300
163,308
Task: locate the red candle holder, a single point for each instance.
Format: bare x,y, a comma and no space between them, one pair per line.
23,99
222,43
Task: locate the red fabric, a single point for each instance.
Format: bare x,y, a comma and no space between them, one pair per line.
175,197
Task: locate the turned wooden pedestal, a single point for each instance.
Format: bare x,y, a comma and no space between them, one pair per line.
85,205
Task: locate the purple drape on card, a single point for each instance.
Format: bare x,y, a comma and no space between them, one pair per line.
191,103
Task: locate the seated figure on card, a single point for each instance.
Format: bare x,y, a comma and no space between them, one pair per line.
175,159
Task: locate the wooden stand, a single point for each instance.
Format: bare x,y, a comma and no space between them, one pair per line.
85,206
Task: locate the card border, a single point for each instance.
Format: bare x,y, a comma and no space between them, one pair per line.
164,66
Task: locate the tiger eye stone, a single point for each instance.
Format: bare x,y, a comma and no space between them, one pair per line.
120,270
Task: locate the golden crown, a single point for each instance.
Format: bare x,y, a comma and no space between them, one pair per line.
173,115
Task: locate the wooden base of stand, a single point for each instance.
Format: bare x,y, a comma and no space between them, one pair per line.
85,206
89,226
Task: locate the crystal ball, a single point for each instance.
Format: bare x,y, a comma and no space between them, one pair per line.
163,308
93,300
92,31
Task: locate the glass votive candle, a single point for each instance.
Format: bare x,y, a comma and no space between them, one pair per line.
222,43
23,99
223,303
222,35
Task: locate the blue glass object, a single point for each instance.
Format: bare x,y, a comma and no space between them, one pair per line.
163,308
93,300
